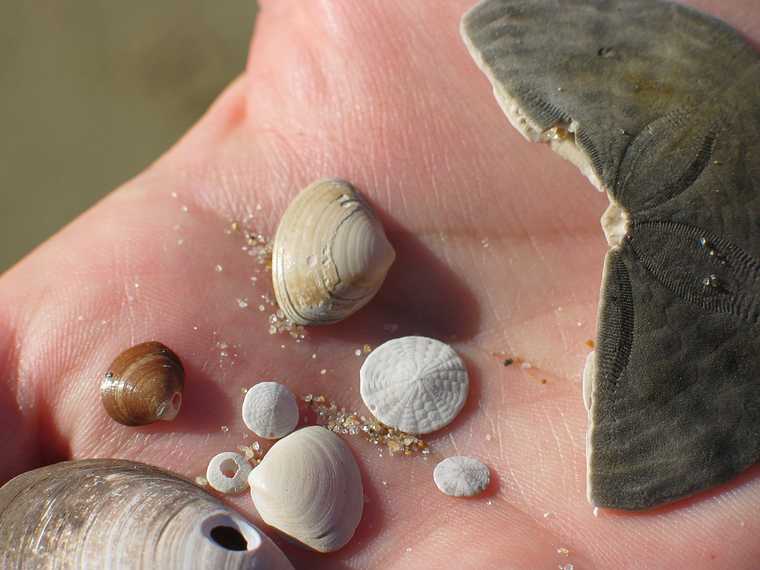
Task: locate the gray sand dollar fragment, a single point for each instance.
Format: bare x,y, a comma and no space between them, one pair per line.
659,106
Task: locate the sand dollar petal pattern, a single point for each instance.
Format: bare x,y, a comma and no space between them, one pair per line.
414,383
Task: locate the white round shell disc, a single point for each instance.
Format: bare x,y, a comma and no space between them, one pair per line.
227,472
270,410
461,476
414,383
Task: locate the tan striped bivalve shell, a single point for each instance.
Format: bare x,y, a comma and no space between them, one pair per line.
330,254
309,488
227,472
143,384
270,410
414,383
461,476
121,515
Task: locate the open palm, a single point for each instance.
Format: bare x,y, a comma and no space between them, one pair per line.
499,252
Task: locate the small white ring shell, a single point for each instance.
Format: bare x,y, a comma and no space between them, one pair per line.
270,410
228,473
415,384
461,476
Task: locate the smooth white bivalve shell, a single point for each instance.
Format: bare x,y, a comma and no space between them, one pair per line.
414,383
122,515
308,487
330,254
228,472
270,410
461,476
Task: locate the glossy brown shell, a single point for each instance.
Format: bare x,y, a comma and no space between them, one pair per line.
143,384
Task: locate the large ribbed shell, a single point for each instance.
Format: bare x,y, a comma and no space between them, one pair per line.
330,254
308,487
414,383
119,515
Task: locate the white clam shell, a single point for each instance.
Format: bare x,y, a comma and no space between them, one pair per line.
461,476
414,383
270,410
308,487
122,515
228,472
330,254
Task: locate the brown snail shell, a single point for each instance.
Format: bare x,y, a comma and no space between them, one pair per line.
143,384
122,515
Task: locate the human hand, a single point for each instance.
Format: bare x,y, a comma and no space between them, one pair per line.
498,251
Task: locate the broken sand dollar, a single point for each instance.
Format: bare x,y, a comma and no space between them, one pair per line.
461,476
227,472
270,410
589,373
308,487
414,383
657,104
330,254
122,515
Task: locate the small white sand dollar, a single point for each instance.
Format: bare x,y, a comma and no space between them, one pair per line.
228,473
461,476
414,383
270,410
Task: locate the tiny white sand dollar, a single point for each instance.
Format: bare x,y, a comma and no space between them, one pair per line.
228,473
414,383
270,410
461,476
308,486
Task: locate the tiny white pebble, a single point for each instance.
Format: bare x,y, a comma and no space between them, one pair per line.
225,429
562,551
548,514
184,209
461,476
408,548
242,303
385,483
218,268
323,371
174,194
258,207
262,308
228,473
489,502
358,352
314,355
195,327
180,241
488,437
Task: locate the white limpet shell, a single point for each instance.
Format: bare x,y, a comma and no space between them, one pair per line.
228,473
308,486
270,410
461,476
330,254
414,383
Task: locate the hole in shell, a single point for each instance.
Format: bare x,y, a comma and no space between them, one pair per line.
229,468
228,537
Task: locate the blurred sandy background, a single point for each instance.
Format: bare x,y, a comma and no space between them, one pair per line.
92,91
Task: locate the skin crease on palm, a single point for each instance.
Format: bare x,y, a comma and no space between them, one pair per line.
384,94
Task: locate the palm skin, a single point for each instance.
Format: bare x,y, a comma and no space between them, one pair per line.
499,250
